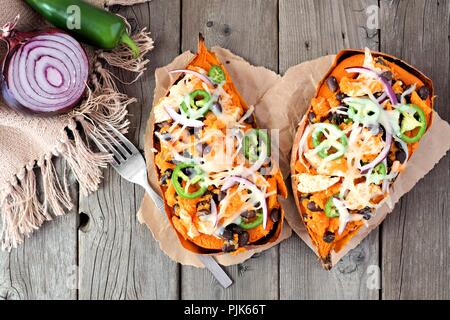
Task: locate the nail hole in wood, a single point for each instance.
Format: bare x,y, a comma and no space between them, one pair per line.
84,222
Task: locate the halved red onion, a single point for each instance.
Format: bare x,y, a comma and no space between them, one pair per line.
383,154
182,119
202,77
386,85
45,72
231,181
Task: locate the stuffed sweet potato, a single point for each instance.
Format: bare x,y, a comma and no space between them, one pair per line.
362,127
214,165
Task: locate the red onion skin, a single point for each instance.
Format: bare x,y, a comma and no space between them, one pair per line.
13,41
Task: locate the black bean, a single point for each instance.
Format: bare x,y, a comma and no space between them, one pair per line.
332,84
248,214
408,97
380,60
366,213
311,117
161,125
235,228
191,131
304,196
250,119
389,162
313,207
340,96
275,214
243,239
206,148
221,195
387,75
424,93
187,154
399,97
328,237
189,171
227,234
400,155
216,107
228,247
165,176
173,161
383,136
166,137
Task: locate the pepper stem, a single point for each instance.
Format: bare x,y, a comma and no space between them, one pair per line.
131,44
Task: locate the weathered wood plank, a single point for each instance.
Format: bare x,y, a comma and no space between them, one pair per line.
248,28
119,259
45,265
415,238
309,29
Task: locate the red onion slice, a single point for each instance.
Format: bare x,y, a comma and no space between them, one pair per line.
386,85
182,119
231,181
202,77
47,73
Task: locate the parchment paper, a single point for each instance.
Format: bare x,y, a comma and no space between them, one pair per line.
431,149
252,82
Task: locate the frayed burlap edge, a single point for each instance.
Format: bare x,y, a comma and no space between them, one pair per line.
23,210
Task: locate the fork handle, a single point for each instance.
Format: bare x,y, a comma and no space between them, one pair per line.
159,202
209,262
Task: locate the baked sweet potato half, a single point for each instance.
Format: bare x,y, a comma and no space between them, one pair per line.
365,122
214,166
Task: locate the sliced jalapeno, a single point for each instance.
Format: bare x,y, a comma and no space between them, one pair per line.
323,147
247,225
330,209
413,117
378,174
216,74
363,111
197,177
196,104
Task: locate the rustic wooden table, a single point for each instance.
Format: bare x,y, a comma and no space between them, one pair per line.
100,251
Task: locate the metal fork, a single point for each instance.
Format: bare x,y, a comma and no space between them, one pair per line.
130,164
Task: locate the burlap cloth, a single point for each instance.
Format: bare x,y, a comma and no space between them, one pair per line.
28,144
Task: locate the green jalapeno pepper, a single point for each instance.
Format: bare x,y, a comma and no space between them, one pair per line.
410,122
86,22
378,173
197,178
323,146
363,111
330,209
252,144
216,74
196,104
253,223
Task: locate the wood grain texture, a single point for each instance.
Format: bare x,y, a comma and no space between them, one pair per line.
310,29
45,265
415,237
119,259
248,28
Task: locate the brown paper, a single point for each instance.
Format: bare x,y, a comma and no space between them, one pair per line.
252,83
431,149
